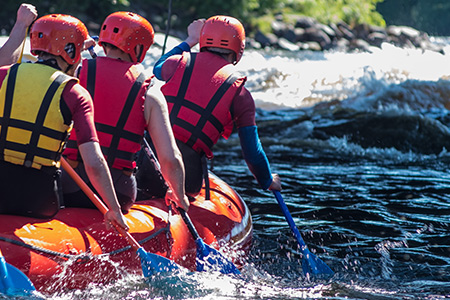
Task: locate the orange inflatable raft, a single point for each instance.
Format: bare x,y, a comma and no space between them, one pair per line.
75,249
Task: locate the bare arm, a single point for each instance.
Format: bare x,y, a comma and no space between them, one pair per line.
158,125
98,172
12,49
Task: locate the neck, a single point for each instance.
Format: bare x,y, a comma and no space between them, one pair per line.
227,56
57,62
117,54
65,67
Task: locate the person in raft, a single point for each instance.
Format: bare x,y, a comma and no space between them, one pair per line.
124,107
39,101
206,96
11,51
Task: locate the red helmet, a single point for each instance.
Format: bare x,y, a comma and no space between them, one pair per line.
223,32
126,30
60,35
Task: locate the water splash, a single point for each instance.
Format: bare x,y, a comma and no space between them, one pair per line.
383,249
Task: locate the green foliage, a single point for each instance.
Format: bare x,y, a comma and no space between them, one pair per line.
426,15
325,11
263,23
331,11
351,11
85,10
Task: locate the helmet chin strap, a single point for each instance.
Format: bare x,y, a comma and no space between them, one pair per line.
139,49
70,70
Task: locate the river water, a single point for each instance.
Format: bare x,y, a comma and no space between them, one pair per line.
361,142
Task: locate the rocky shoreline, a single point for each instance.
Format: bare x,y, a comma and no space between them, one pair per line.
308,34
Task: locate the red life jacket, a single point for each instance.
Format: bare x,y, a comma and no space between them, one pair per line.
118,91
199,96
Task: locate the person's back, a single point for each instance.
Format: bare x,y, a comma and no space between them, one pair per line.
118,91
200,111
32,133
39,102
206,97
119,88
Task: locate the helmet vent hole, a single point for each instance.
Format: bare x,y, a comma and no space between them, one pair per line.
116,30
104,27
40,35
70,50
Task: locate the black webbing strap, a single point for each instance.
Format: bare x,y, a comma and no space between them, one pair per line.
40,119
6,118
91,75
36,128
118,131
191,127
207,113
190,61
206,178
90,87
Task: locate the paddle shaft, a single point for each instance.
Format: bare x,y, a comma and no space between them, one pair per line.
206,252
91,48
23,46
203,250
97,202
189,223
184,215
289,219
311,264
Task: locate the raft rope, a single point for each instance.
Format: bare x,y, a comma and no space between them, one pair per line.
84,258
169,18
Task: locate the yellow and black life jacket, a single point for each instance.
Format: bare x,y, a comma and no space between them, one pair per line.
32,129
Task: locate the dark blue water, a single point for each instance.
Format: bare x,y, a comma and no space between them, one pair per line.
383,228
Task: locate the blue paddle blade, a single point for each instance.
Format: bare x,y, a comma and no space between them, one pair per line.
153,264
311,264
209,258
12,281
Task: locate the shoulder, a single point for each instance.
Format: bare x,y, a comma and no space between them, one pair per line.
244,97
74,89
244,108
170,65
76,97
154,96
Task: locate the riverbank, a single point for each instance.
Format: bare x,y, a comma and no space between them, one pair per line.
305,33
308,34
